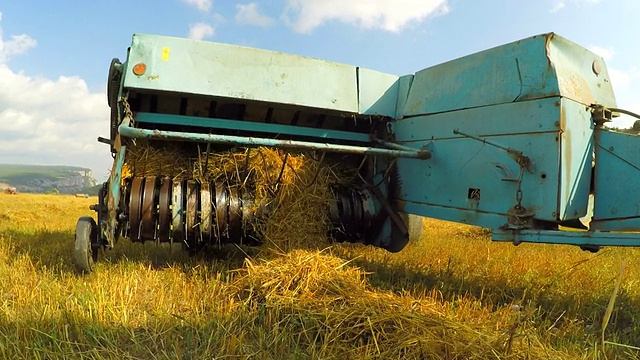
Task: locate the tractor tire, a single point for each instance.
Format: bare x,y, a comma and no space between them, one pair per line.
84,253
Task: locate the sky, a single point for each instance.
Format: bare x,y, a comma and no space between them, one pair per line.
54,55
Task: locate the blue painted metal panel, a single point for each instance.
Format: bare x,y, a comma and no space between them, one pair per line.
576,156
520,117
581,238
404,85
230,71
537,67
617,189
471,176
470,217
460,165
377,93
556,134
271,128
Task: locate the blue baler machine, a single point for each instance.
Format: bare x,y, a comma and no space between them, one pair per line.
511,139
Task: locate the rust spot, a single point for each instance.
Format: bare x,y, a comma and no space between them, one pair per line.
597,69
547,47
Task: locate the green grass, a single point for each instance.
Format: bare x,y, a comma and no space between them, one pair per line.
454,294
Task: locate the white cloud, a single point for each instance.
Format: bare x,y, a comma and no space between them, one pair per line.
202,5
200,31
627,95
606,53
561,4
49,122
557,6
19,44
389,15
248,14
619,78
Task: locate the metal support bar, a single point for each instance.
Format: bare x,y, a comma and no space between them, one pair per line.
216,123
581,238
125,130
113,197
396,146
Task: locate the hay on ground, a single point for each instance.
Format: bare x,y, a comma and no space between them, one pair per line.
332,308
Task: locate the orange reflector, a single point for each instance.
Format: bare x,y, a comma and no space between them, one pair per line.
139,69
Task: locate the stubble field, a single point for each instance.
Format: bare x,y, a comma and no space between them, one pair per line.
452,295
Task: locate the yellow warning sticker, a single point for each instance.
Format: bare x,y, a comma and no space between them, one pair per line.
165,54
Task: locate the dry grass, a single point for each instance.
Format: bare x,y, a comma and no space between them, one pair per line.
453,295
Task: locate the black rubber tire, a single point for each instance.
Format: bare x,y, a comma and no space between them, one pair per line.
84,253
113,85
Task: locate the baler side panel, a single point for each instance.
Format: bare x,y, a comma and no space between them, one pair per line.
473,177
531,96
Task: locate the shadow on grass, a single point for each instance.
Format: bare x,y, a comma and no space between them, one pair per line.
68,337
54,250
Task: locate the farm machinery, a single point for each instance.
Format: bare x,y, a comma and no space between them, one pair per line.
511,139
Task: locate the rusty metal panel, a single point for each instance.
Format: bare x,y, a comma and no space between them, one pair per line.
581,75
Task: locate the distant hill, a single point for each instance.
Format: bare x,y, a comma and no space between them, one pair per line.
41,179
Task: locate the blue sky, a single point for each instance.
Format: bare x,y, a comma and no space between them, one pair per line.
54,55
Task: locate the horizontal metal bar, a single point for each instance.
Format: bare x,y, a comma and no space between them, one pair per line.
396,146
581,238
125,130
217,123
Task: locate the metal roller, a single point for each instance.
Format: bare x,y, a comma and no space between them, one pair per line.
235,215
192,212
135,205
177,212
164,210
248,208
222,210
353,215
148,211
206,213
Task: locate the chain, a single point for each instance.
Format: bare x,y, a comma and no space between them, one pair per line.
127,110
518,206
